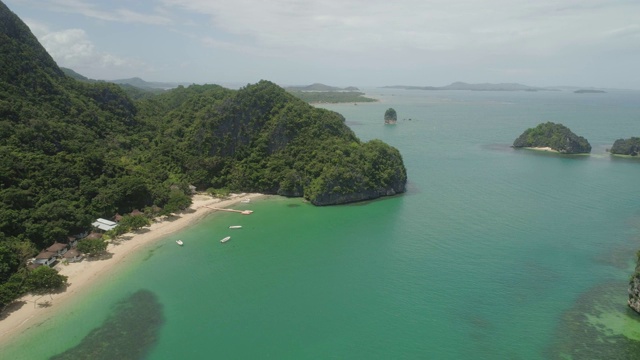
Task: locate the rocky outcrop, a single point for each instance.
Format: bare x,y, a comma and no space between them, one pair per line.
634,289
555,136
336,198
629,147
390,116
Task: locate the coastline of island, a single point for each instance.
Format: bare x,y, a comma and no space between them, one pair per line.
23,313
544,148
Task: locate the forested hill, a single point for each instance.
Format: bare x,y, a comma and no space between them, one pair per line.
72,151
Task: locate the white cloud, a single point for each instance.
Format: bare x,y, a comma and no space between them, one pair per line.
421,41
92,10
353,26
72,48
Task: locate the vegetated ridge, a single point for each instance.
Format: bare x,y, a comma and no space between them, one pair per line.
73,151
555,136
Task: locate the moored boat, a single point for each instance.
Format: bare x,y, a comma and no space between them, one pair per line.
179,242
235,227
225,239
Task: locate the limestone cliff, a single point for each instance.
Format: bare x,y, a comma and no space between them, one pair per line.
634,289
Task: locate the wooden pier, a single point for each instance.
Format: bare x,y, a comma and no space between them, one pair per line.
243,212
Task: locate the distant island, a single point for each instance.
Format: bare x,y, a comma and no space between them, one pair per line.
320,87
589,91
628,147
320,93
555,137
474,87
134,81
135,87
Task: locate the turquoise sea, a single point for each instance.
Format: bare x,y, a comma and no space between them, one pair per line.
493,253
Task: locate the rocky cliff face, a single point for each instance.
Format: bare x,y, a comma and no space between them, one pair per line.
634,290
336,199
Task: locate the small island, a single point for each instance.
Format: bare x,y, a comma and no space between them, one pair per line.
554,137
324,94
589,91
390,117
626,147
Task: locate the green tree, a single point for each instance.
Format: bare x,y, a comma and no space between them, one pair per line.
178,200
92,247
134,222
44,280
9,292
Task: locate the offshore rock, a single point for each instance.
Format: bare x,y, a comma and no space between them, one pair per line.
634,289
390,116
337,199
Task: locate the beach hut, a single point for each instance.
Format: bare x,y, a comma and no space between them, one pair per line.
33,266
71,241
46,258
58,248
94,235
73,255
136,212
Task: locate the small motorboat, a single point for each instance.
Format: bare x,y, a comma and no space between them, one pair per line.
235,227
179,242
225,239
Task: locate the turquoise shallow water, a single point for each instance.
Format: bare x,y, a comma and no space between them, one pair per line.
492,253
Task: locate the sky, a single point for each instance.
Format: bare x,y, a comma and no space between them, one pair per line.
584,43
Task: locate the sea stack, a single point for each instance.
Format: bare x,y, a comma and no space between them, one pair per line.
390,117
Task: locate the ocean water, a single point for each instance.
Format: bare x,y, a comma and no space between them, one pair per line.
493,253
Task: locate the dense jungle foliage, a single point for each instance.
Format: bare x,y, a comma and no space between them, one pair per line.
556,136
73,151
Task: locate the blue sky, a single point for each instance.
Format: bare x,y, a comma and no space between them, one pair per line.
344,42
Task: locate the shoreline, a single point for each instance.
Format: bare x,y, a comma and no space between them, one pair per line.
23,313
546,148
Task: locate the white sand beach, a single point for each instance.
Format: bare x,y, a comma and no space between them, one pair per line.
541,149
24,312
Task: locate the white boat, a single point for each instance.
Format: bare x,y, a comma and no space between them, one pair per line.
246,201
235,227
179,242
225,239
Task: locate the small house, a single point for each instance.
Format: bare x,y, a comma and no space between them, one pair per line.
104,224
58,248
136,212
93,236
73,255
46,258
